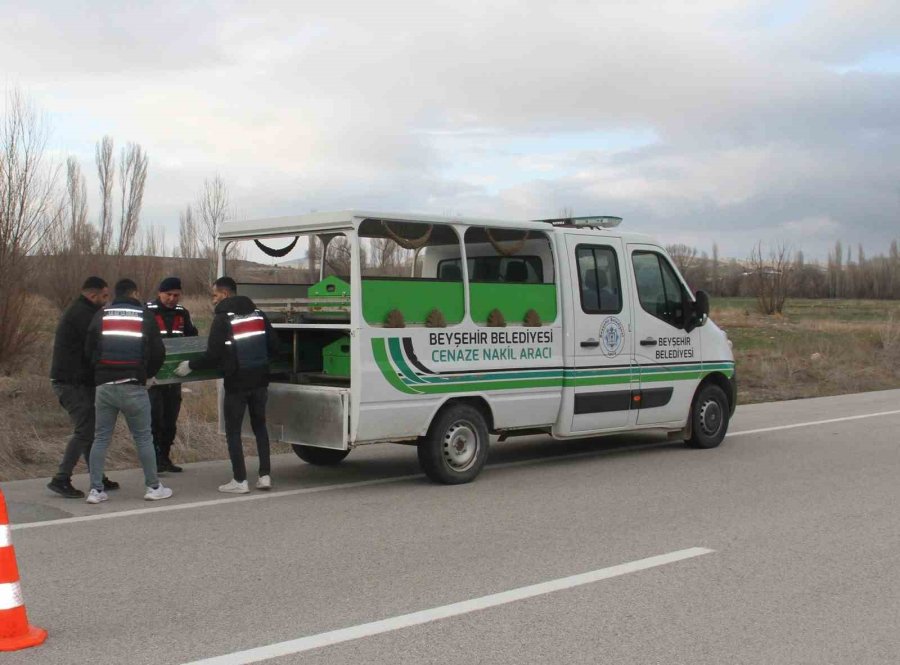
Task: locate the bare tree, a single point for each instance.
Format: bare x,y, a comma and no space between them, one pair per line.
133,177
66,253
187,234
106,171
29,208
684,256
385,256
82,235
770,277
337,256
149,265
213,209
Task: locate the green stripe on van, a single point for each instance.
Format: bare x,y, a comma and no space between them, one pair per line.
398,372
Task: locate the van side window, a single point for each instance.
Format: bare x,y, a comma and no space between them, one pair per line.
598,279
401,279
658,287
510,273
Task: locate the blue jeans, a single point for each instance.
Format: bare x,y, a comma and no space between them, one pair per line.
134,403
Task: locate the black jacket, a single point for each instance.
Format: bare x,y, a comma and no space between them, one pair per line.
70,364
168,315
154,351
222,356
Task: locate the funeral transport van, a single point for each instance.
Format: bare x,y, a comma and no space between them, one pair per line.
439,332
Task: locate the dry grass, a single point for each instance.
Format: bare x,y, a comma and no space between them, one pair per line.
798,355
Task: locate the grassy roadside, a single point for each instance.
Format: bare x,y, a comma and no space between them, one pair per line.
816,348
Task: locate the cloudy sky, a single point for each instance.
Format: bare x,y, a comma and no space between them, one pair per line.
699,121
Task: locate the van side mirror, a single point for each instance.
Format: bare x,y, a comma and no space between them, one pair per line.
697,312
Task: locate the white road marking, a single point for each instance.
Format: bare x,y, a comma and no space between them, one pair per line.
212,502
293,647
813,423
395,479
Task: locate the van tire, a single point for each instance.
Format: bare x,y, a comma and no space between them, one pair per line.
710,413
319,456
456,447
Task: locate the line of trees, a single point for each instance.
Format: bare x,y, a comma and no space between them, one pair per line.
843,275
49,244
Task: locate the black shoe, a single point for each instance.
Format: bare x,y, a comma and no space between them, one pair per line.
65,489
166,464
109,485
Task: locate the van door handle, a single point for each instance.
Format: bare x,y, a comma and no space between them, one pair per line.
590,343
649,342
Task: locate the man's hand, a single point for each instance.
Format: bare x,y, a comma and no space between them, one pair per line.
151,382
183,369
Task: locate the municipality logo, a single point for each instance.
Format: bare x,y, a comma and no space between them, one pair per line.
612,337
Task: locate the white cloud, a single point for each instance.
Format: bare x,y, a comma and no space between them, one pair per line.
703,120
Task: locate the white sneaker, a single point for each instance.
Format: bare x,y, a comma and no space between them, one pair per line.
97,496
264,483
158,493
234,487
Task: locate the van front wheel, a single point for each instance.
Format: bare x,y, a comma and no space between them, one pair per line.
709,417
456,446
319,456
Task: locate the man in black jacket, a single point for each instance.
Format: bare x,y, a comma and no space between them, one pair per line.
241,341
125,348
73,385
174,322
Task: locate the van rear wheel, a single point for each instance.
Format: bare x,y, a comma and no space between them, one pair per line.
456,447
319,456
709,417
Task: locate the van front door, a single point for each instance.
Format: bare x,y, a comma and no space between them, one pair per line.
669,358
597,388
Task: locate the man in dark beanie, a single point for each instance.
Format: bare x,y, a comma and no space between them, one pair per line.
72,378
174,322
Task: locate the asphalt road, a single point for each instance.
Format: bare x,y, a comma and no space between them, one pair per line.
799,521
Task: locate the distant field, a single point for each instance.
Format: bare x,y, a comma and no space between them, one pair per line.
818,347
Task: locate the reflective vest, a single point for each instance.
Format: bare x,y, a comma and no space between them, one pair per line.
177,320
122,336
248,335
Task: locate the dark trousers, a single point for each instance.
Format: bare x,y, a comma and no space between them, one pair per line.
165,405
78,401
234,405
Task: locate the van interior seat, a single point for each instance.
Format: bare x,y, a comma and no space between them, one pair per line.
451,271
516,271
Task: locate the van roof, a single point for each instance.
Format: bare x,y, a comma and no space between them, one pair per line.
343,219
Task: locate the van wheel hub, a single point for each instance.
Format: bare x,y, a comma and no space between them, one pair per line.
710,417
460,446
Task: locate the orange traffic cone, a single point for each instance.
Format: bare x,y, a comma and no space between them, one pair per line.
15,633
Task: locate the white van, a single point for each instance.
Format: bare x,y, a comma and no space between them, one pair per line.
440,331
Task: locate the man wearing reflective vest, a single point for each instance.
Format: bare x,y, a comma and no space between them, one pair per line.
241,341
174,322
125,348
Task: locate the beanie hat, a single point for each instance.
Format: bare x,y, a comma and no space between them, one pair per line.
170,284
